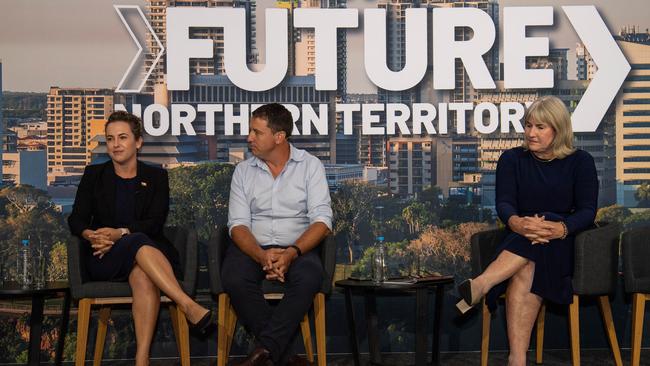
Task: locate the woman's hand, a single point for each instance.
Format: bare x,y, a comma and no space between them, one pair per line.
111,233
536,228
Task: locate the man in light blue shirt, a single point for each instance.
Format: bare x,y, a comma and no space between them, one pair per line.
279,211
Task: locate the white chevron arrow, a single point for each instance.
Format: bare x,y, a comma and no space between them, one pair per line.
120,87
612,67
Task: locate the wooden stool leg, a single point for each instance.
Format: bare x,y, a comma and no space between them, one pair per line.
224,304
173,315
485,333
574,330
638,310
231,322
183,339
83,320
539,349
606,312
306,338
319,319
102,325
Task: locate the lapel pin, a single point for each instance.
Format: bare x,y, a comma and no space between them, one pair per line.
144,184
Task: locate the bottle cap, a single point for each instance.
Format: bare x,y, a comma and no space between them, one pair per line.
25,242
380,238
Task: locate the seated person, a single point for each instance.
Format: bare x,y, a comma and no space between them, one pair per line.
118,213
279,212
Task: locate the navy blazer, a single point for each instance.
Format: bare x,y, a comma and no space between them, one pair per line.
94,204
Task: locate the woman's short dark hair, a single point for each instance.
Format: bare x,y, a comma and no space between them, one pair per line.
121,116
277,117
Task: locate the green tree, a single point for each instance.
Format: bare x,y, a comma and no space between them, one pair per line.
57,269
417,216
353,204
430,196
613,214
28,213
643,195
199,196
637,219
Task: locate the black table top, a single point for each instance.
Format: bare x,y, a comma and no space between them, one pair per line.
14,288
394,285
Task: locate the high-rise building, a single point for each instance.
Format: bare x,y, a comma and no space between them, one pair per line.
296,90
26,167
464,92
409,164
157,13
585,66
70,113
557,60
2,128
396,49
302,43
633,118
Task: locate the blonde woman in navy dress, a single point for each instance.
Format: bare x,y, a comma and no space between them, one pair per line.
546,192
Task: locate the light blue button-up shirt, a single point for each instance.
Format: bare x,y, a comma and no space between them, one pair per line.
278,210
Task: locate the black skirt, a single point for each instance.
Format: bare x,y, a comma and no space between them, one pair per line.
117,263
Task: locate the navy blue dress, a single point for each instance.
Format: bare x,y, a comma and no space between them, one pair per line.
561,190
117,263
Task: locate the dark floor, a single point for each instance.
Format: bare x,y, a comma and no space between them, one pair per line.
551,358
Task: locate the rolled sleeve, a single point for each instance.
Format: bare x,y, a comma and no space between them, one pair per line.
239,211
319,207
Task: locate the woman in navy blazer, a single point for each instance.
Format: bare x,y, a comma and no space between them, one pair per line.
119,213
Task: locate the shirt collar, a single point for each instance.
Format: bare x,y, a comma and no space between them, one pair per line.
295,154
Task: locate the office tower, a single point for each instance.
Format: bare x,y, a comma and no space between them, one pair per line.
409,164
464,92
368,150
26,167
1,126
633,118
296,90
157,11
70,113
586,67
396,49
302,43
337,174
557,60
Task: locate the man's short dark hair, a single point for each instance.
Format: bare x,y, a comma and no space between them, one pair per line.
276,116
134,122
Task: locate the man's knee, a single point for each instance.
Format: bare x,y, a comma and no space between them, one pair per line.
307,275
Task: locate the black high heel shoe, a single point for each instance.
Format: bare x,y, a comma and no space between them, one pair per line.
205,325
465,292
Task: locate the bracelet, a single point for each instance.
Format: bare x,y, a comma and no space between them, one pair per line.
566,230
294,246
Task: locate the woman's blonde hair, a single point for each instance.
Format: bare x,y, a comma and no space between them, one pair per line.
552,111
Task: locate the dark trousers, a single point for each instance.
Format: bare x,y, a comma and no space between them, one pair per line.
273,328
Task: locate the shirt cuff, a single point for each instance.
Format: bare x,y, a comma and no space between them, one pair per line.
235,224
325,220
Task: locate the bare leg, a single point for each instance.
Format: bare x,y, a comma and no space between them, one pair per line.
501,269
158,269
146,303
522,307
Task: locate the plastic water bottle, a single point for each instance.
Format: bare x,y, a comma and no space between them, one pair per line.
379,261
24,263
